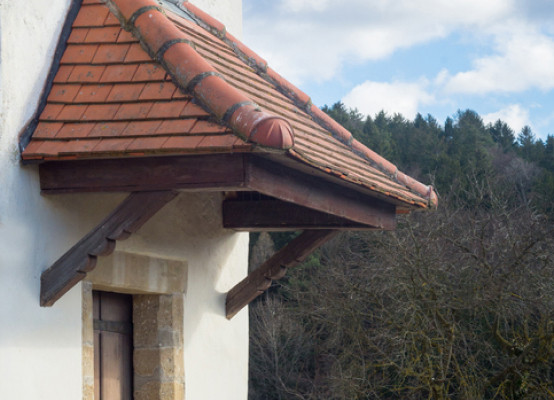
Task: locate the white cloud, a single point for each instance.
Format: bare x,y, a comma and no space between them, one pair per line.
397,97
514,115
312,39
524,59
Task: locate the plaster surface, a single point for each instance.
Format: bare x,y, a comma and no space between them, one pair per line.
229,12
43,346
216,349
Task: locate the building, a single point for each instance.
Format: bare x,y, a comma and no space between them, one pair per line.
148,125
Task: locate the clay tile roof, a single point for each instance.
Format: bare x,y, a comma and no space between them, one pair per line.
140,78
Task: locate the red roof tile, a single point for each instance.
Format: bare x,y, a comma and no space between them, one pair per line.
160,88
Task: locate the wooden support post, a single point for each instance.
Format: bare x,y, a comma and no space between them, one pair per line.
73,266
260,279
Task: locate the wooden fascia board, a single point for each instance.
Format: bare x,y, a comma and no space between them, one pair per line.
311,191
73,266
194,172
273,215
275,267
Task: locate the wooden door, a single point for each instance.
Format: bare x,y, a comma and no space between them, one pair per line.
113,346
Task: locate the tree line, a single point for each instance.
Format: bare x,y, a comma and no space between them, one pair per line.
454,304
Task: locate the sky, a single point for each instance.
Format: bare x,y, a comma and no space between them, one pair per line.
495,57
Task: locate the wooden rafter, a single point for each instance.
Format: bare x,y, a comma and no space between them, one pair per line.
73,266
274,268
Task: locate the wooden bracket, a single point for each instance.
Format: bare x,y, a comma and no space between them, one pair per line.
275,267
73,266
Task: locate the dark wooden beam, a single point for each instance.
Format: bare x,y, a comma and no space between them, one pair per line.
221,172
290,185
206,172
260,279
73,266
275,215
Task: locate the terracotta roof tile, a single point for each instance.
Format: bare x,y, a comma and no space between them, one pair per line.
129,111
79,54
86,73
71,112
63,93
141,128
111,20
149,72
125,37
77,35
182,142
100,112
70,130
158,91
167,109
147,144
123,92
103,129
110,53
136,53
118,73
172,86
107,34
176,126
93,93
63,73
91,15
47,129
51,111
113,145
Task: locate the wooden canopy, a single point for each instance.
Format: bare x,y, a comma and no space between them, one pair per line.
153,98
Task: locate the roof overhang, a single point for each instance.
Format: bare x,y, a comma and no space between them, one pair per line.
261,196
153,99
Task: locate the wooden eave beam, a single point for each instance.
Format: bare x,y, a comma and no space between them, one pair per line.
273,215
73,266
219,172
215,172
293,186
275,267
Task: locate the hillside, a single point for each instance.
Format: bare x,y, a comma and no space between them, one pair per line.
455,304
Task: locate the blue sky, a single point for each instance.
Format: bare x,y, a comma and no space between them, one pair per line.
435,57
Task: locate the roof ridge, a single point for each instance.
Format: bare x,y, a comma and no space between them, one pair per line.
166,44
304,102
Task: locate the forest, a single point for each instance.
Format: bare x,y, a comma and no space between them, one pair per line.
456,303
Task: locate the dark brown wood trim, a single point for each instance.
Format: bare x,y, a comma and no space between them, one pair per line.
276,215
274,268
73,266
206,172
287,184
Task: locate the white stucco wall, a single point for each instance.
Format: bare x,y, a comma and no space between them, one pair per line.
229,12
216,350
40,348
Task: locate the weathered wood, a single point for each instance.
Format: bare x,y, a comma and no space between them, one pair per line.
293,186
73,266
207,172
275,215
274,268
